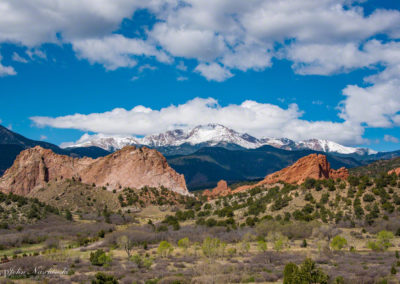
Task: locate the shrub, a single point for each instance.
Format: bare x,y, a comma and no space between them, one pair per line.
280,241
262,245
100,258
102,278
393,270
68,215
184,243
101,234
164,249
338,243
309,183
339,280
4,226
289,273
141,261
368,197
306,273
210,247
231,251
383,241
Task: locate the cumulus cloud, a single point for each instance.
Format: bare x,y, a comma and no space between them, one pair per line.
258,119
116,51
223,37
32,23
213,72
327,59
6,70
390,138
238,34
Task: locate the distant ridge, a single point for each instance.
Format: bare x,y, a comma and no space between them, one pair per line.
11,144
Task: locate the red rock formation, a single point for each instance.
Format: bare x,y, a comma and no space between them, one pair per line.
129,167
396,171
222,189
312,166
341,173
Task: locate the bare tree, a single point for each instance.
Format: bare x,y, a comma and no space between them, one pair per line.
125,243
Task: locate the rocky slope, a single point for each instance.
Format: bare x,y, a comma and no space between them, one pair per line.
130,167
314,166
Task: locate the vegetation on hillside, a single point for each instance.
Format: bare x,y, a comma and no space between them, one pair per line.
377,167
322,231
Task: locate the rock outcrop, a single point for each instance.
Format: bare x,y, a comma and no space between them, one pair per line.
129,167
222,189
341,173
396,171
314,166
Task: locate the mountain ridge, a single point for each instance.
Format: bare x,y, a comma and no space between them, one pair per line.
213,135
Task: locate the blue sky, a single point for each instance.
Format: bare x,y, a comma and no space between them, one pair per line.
317,69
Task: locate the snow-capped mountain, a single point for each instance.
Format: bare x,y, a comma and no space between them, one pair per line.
213,135
332,147
109,143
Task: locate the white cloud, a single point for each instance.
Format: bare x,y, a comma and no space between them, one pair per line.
320,37
6,70
189,43
376,106
317,102
36,53
147,67
390,138
18,58
258,119
181,66
326,35
43,137
182,78
326,59
32,23
116,51
213,72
